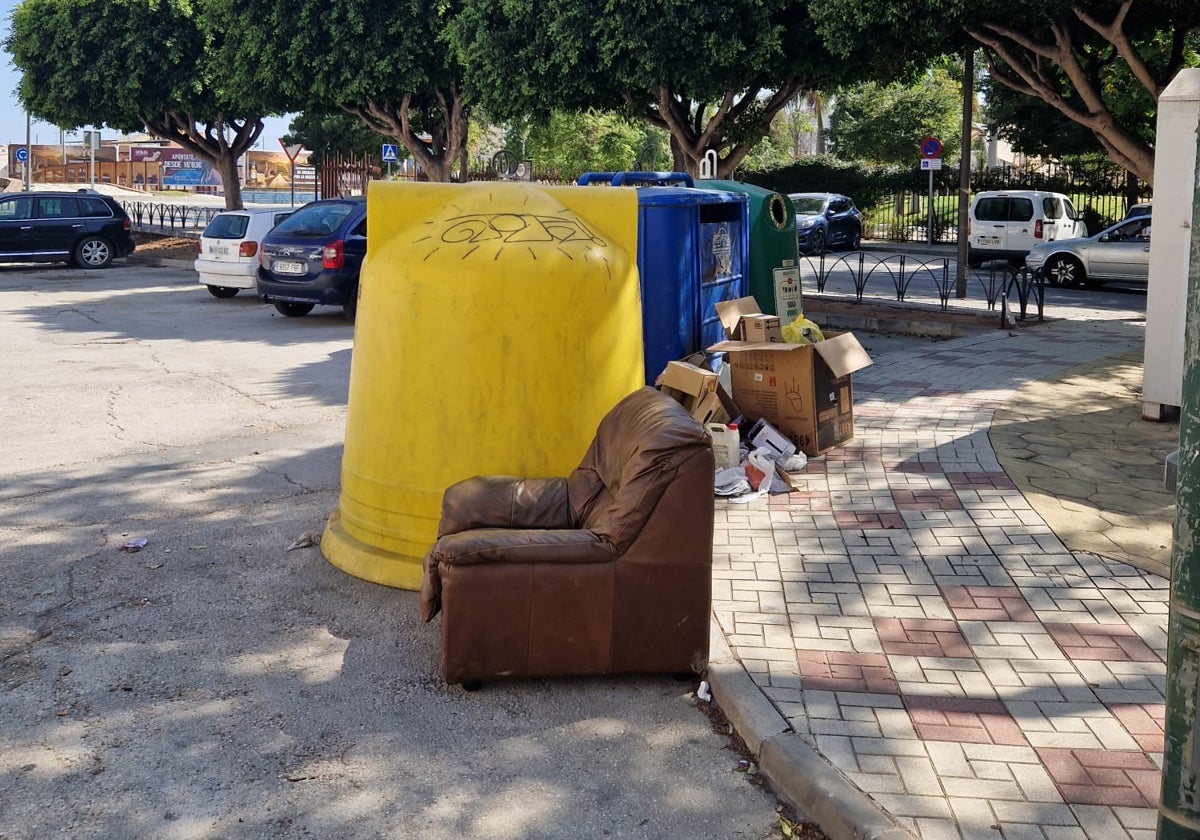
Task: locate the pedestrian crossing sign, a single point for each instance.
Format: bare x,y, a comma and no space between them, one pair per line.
390,152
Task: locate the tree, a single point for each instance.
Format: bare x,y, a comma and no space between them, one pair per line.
712,75
569,143
885,123
337,132
382,61
1093,62
134,65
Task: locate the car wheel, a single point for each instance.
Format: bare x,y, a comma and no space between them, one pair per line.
855,240
350,307
93,252
292,310
221,291
1064,271
817,243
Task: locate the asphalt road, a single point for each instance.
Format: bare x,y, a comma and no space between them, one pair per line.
215,684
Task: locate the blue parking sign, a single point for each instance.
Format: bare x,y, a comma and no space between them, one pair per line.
21,154
390,152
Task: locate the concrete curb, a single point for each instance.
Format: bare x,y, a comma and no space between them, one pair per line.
160,262
797,772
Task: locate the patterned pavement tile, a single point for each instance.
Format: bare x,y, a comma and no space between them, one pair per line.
1145,722
963,720
922,637
822,670
1106,642
988,603
1103,777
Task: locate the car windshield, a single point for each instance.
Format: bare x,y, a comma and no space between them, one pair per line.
809,205
227,226
315,219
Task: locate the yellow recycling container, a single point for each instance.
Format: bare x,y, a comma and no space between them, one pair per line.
497,324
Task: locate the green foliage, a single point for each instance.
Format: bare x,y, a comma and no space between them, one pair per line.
569,143
705,72
110,62
331,133
866,183
885,123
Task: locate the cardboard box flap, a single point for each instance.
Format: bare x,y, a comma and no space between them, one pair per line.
843,354
731,311
729,346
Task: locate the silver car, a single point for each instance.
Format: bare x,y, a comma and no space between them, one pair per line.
1121,252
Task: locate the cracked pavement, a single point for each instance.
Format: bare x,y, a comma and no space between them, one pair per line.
215,684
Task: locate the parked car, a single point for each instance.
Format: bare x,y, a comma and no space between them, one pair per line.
314,256
83,227
826,220
1142,208
227,253
1121,252
1006,224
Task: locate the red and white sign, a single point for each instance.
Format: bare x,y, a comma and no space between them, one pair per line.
292,152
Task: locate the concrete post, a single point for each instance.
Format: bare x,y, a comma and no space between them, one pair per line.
1179,809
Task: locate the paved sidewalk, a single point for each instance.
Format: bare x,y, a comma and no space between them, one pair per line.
927,652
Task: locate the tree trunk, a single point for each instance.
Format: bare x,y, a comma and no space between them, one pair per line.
448,130
227,167
696,129
210,144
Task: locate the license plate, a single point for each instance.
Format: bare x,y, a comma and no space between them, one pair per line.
989,240
219,250
290,267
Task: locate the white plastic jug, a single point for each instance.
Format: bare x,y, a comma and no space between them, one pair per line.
725,445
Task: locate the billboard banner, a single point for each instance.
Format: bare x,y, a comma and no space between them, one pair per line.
180,168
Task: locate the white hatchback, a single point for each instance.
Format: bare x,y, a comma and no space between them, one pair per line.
227,255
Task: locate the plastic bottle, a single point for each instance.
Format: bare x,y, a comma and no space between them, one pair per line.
725,444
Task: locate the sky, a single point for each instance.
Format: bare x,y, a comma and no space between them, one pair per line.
12,115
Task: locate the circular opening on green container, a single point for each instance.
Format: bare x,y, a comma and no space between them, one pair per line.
777,211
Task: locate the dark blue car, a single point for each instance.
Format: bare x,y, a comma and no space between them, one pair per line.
825,221
314,257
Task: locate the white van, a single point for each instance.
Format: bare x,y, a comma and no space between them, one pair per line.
227,253
1005,224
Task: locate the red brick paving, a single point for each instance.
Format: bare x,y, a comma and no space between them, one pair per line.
867,520
1144,721
963,720
1103,777
926,500
977,480
1108,642
831,670
921,637
987,603
913,467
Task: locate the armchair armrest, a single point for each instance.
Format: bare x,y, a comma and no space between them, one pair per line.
497,545
504,502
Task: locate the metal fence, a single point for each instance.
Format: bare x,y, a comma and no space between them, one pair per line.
174,219
903,276
1101,192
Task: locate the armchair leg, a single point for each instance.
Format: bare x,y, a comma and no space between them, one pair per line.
472,685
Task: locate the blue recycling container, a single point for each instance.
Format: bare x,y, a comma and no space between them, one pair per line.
693,252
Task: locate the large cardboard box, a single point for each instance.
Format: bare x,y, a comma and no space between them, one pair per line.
803,390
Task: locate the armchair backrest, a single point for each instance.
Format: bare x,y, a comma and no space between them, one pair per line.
638,450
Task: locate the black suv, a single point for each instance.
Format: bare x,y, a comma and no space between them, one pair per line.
83,227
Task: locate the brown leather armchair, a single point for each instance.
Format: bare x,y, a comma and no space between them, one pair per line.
606,571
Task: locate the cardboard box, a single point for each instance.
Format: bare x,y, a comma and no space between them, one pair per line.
695,388
760,328
744,321
803,390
